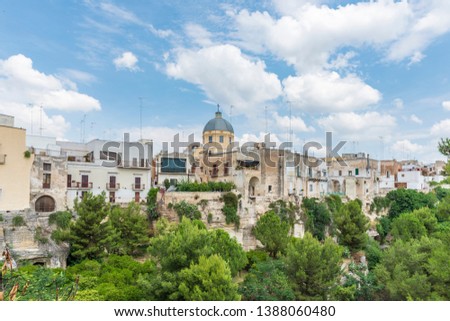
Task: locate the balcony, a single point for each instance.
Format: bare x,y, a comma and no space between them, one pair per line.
112,187
2,159
138,187
79,185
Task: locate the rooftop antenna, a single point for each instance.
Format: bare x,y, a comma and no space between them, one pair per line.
40,122
265,113
140,115
231,113
218,108
31,117
82,128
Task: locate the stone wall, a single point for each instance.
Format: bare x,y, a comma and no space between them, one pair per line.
23,241
249,211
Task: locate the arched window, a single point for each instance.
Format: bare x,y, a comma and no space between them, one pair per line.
45,204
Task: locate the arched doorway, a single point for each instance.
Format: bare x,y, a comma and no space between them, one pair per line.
45,204
253,186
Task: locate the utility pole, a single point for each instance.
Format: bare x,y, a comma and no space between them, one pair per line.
231,113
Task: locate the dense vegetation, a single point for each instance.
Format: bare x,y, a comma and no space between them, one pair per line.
115,254
185,186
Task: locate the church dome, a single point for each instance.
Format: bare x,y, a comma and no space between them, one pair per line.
218,123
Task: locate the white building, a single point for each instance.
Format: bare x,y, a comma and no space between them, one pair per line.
411,177
121,170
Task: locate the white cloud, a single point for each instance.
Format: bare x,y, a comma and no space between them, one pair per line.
446,105
367,126
308,32
226,76
20,83
428,20
441,128
406,146
296,123
198,34
126,61
398,103
29,117
329,92
306,36
416,119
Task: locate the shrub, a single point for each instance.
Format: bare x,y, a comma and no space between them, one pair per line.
210,218
18,221
185,186
39,236
27,154
188,210
230,208
152,206
60,219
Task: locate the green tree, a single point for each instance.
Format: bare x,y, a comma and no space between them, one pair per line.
444,146
318,216
285,210
383,228
91,234
208,280
414,225
272,232
352,225
313,267
152,204
415,270
408,200
131,229
267,281
443,210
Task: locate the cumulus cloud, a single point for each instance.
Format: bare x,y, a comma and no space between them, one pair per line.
307,33
329,92
446,105
21,83
364,126
198,34
226,76
126,61
296,123
441,128
416,119
406,146
398,103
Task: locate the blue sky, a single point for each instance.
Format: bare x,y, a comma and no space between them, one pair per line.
375,73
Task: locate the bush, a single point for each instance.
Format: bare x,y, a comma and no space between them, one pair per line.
39,236
188,210
152,206
1,218
210,218
185,186
27,154
230,208
18,221
60,219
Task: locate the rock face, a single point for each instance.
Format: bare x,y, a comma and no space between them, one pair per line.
31,242
249,211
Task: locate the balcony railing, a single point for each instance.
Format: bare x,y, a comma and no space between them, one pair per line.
2,159
138,187
112,187
79,185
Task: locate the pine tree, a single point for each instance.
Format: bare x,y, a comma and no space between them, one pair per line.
352,224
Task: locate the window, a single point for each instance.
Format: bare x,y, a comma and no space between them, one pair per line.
270,188
142,162
350,173
135,162
45,204
69,180
112,182
311,187
137,197
221,139
230,140
340,173
388,174
46,180
173,182
112,197
356,171
310,172
84,181
47,167
210,139
137,183
83,194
